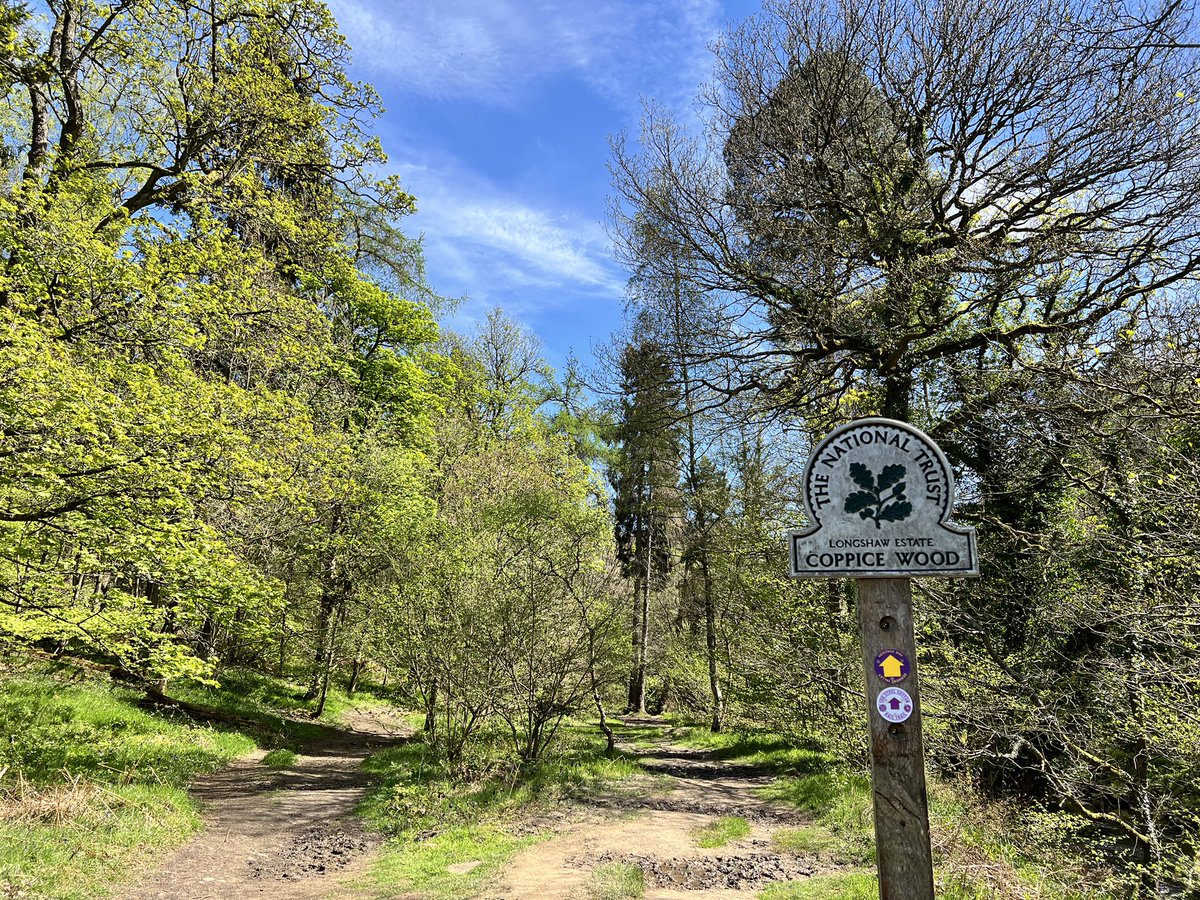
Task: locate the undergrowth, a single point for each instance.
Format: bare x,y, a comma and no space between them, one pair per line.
983,850
445,817
419,790
90,780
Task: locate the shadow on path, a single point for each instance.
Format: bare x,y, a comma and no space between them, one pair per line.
267,832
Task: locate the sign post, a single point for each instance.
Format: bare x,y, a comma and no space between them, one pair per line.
879,495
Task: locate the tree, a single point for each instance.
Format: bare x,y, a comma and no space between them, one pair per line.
644,472
982,219
499,609
888,187
192,353
515,374
1086,613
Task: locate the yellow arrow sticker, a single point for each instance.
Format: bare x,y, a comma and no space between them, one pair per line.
892,666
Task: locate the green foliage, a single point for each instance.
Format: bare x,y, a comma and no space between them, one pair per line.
842,886
200,375
91,782
54,731
762,749
421,790
79,846
279,759
514,560
841,804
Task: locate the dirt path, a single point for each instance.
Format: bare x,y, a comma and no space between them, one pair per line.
653,823
267,831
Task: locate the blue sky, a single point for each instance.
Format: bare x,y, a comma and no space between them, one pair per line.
498,118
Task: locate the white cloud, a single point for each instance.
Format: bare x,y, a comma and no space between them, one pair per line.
490,50
485,243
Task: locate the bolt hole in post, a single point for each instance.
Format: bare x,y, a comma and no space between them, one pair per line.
887,623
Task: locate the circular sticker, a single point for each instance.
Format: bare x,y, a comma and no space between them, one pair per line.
892,666
894,704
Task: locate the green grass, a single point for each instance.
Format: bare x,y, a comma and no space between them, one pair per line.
276,705
763,749
842,886
722,831
981,858
418,790
989,851
279,759
616,881
93,783
98,842
52,730
818,842
984,855
426,867
466,805
840,803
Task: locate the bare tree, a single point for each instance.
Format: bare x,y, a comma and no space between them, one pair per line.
886,184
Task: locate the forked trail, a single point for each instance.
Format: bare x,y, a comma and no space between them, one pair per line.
291,835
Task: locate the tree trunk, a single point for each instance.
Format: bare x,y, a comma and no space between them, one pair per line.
897,395
327,667
710,635
323,650
637,672
357,666
430,725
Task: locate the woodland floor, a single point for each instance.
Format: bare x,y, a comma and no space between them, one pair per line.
291,834
278,833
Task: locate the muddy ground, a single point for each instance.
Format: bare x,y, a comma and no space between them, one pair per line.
291,835
652,823
270,833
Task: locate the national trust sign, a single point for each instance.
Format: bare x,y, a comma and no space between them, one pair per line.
880,494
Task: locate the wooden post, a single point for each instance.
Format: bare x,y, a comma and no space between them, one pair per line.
879,495
897,756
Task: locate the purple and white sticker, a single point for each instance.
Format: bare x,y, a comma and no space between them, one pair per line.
894,704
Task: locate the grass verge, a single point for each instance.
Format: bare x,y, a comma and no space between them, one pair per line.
279,759
92,783
444,817
765,750
454,865
842,886
840,803
420,791
276,705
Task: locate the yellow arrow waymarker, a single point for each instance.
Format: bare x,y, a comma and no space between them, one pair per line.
892,667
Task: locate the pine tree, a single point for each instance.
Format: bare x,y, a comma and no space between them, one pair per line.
644,471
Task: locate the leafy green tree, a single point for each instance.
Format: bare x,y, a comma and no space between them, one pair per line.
500,609
196,363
